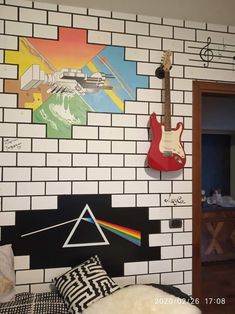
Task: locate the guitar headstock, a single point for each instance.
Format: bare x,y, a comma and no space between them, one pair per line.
166,60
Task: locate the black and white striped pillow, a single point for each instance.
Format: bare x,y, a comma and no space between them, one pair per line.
84,284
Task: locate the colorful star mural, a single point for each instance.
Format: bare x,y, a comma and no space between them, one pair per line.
61,80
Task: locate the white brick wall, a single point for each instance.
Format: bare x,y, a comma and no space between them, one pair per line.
44,202
123,174
19,28
46,6
16,174
30,188
135,268
29,276
31,159
8,100
107,187
17,115
111,25
147,200
172,252
83,160
108,154
8,71
62,19
148,42
81,21
160,239
160,266
123,40
45,145
16,203
182,264
8,159
146,279
125,16
44,31
7,219
44,174
8,42
85,188
98,174
96,12
30,15
135,54
123,201
161,31
7,12
72,174
98,146
85,132
7,129
7,189
124,120
58,188
110,160
73,146
31,130
182,238
136,134
135,160
172,278
60,160
22,3
111,133
137,28
136,187
123,147
21,262
99,119
70,9
136,107
99,37
159,213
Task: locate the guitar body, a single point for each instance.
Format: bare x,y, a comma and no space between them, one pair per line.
166,152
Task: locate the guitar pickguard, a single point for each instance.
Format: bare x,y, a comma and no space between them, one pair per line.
170,142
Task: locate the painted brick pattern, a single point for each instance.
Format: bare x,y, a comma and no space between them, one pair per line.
108,155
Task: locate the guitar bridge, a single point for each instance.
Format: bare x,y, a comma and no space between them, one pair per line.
167,154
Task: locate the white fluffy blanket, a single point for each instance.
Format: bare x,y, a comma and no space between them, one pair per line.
141,299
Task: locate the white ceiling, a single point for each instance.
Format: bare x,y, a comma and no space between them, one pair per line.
211,11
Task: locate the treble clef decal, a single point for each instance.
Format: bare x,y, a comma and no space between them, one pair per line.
206,53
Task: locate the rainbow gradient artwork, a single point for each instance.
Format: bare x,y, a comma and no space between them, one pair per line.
57,106
129,234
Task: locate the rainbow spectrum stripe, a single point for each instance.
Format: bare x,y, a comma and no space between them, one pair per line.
131,235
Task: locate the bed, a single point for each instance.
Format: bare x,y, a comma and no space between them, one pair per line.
88,289
35,303
134,299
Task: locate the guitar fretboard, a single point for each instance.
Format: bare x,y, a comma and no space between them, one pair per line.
167,113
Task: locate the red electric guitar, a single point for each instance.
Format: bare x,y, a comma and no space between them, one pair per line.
166,152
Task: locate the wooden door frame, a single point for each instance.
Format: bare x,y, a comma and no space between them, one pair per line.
200,88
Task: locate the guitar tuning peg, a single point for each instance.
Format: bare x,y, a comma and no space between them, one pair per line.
160,73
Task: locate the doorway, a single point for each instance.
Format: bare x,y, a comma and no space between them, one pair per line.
200,89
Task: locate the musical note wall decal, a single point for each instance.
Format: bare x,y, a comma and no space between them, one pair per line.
216,55
206,53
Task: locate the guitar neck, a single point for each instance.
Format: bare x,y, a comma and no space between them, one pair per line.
167,113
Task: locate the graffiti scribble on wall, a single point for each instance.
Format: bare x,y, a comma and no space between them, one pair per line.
61,80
